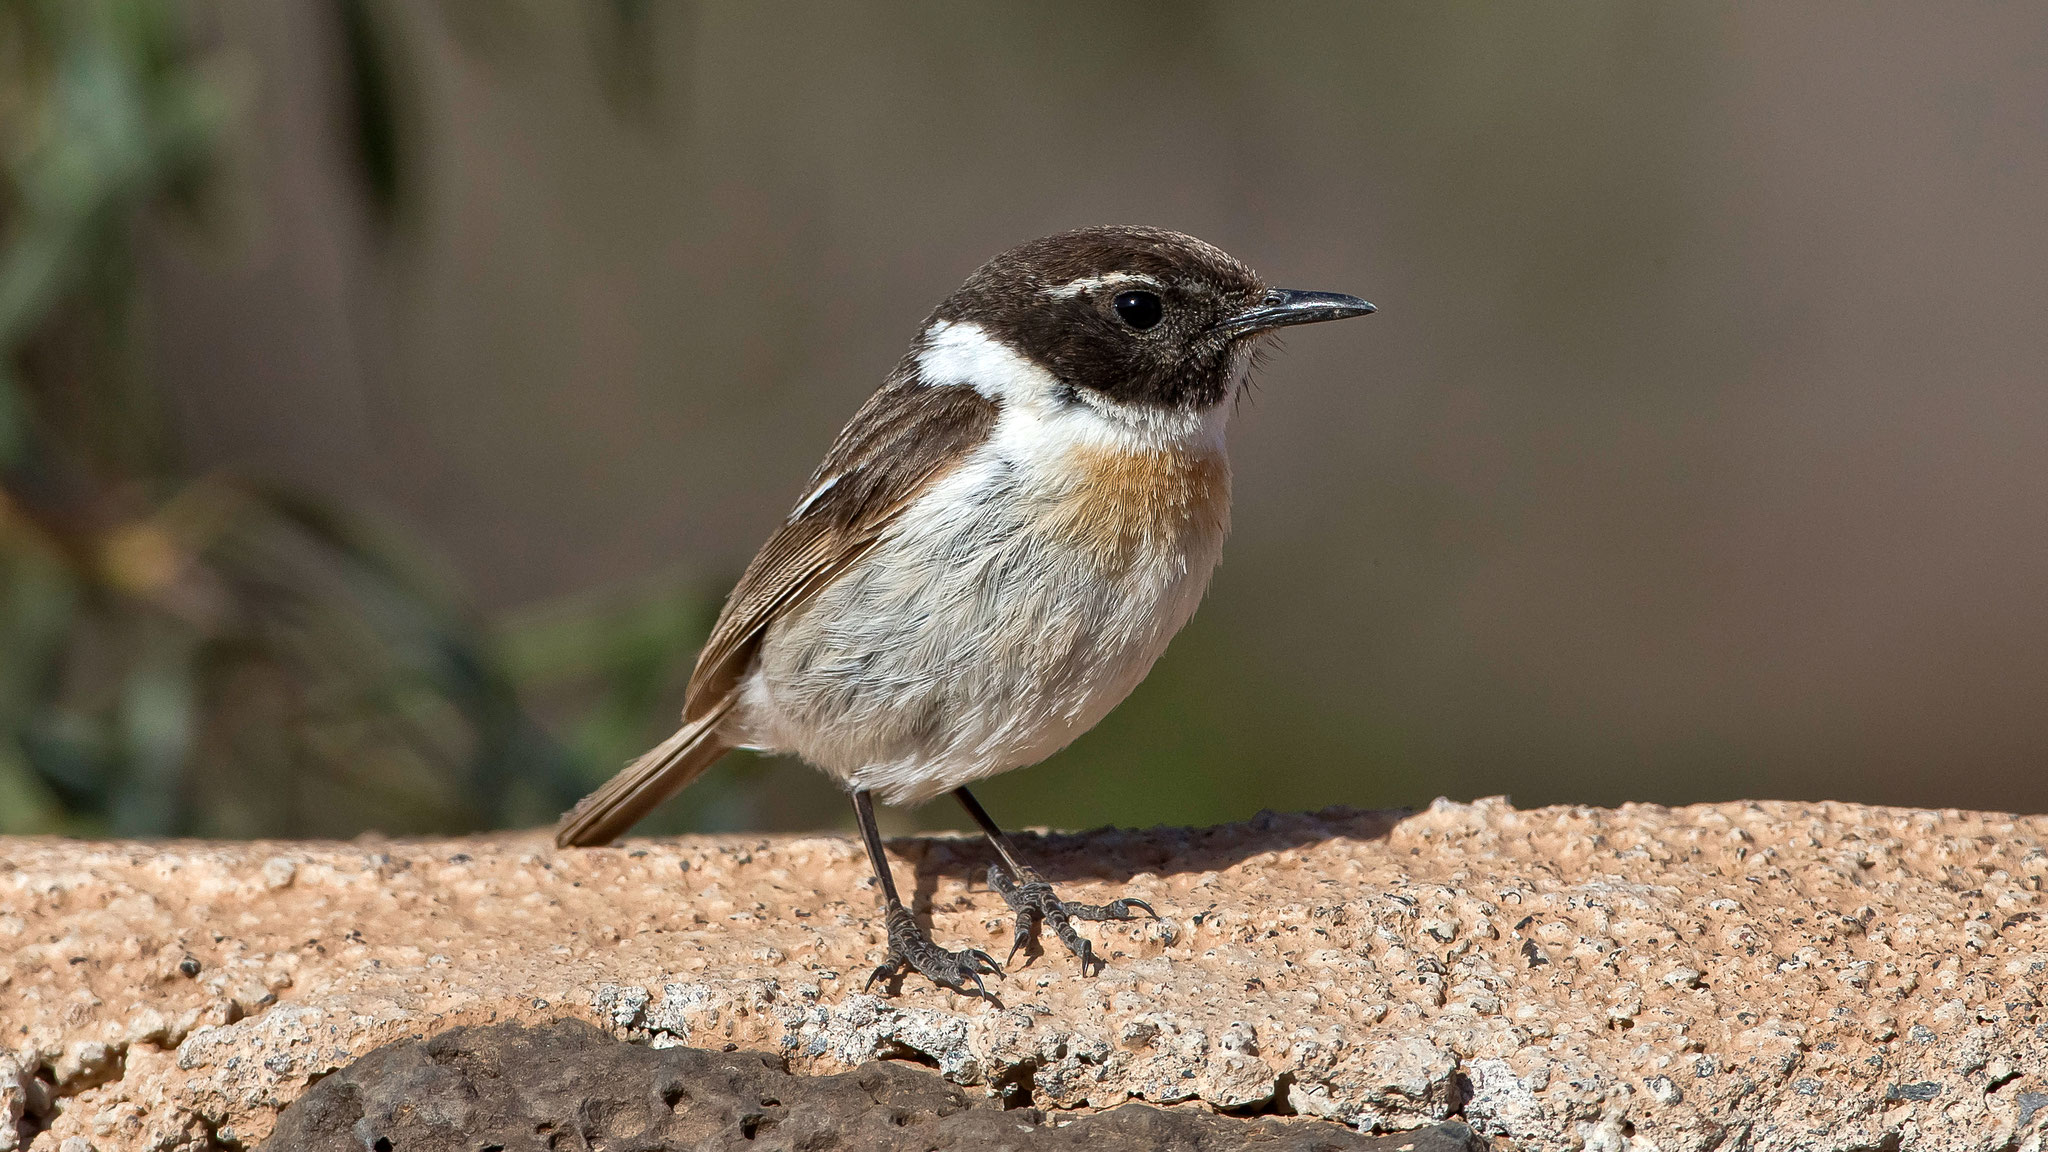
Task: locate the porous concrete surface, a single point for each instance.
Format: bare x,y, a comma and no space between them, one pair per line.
1747,975
519,1088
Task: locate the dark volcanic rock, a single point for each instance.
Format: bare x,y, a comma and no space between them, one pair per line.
567,1085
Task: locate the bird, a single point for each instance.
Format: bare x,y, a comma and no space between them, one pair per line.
994,552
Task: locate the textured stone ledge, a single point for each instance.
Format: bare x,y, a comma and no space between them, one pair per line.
1772,976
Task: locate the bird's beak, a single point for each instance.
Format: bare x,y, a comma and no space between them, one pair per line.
1284,306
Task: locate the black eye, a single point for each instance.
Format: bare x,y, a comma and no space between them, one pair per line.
1140,310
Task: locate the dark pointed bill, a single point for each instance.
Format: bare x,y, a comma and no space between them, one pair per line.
1285,306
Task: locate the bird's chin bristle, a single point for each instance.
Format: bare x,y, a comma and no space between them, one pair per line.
1261,351
1257,353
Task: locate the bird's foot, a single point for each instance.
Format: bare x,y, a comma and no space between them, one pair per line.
911,950
1035,903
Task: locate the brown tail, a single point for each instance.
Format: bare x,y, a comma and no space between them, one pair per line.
604,815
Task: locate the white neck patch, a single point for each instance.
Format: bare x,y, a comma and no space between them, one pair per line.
961,353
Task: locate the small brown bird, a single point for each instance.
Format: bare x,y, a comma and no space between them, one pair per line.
992,555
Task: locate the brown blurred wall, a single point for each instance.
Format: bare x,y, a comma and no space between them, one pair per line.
1696,452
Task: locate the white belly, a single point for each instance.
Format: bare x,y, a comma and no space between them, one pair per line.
1008,610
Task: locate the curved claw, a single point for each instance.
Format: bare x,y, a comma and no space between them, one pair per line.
1028,914
1114,910
1036,905
889,970
910,948
967,967
976,962
1026,933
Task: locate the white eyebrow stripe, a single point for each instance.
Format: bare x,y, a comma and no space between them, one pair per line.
1089,283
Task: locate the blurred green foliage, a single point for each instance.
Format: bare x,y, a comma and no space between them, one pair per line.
104,112
187,654
606,672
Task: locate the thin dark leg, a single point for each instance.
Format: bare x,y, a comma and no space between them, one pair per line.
871,835
996,838
911,947
1027,894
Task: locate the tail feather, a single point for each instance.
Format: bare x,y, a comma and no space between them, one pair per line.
604,815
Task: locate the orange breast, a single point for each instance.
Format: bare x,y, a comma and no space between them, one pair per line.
1127,506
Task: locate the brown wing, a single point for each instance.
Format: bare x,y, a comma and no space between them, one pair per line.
902,439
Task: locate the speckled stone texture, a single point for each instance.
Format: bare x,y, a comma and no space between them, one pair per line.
514,1088
1769,976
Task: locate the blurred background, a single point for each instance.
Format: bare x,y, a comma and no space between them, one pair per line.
389,391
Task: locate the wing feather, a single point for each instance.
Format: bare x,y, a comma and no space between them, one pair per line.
905,437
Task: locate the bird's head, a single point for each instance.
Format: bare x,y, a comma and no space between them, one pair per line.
1138,316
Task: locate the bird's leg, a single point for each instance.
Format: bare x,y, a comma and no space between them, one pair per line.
911,947
1034,901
